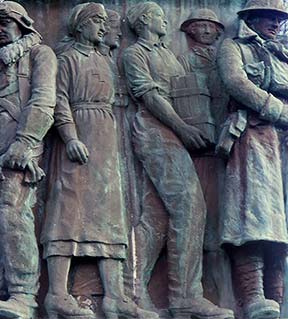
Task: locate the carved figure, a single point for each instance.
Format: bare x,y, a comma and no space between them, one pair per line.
254,230
161,142
27,101
196,107
84,209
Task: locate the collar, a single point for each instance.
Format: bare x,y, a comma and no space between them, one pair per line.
12,52
85,49
105,50
201,50
247,34
150,45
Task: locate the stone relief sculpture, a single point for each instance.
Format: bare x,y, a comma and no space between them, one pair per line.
85,279
199,98
195,107
253,67
84,209
161,142
27,101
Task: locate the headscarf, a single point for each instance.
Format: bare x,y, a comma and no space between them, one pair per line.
82,13
135,12
112,20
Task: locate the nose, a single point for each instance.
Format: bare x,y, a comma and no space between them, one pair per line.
102,26
276,22
207,29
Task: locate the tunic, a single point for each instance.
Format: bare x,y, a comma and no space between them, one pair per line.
84,208
253,199
201,62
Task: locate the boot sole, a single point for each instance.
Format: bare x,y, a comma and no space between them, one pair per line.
265,314
55,315
10,315
191,316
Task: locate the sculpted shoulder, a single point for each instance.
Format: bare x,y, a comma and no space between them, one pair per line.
227,45
44,51
132,49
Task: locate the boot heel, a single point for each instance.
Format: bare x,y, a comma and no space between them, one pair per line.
111,315
52,315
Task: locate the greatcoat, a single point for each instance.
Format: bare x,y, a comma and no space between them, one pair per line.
253,199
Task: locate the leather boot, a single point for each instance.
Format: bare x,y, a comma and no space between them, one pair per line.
248,271
274,274
17,306
116,308
201,308
65,306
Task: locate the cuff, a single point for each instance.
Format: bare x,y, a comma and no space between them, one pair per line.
272,109
67,132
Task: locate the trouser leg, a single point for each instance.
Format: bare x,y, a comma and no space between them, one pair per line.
18,242
172,172
150,235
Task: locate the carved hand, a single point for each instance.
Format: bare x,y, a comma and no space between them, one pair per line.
77,151
17,156
283,119
193,138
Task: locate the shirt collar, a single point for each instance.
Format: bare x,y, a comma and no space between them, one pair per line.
150,45
85,49
246,33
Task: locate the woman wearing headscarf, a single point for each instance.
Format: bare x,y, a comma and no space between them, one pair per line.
85,216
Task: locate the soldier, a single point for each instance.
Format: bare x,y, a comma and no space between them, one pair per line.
205,104
161,142
85,216
254,229
27,100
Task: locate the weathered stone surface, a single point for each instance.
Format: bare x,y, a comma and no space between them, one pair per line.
146,224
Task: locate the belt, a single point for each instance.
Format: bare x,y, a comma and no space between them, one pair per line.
90,106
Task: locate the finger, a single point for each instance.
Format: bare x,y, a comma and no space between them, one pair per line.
73,153
39,174
194,143
11,163
83,156
24,162
86,151
32,171
200,141
78,155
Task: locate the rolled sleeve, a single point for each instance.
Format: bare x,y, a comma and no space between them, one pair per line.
137,72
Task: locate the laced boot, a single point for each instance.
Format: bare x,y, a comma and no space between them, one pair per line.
201,308
65,307
274,277
115,308
18,306
249,271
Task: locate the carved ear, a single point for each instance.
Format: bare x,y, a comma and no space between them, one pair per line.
79,28
144,18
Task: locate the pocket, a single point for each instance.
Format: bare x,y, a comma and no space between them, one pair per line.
255,72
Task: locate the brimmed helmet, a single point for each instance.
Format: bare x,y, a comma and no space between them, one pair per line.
253,6
15,11
200,15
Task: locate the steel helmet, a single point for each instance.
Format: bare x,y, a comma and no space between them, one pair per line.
15,11
275,6
200,15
